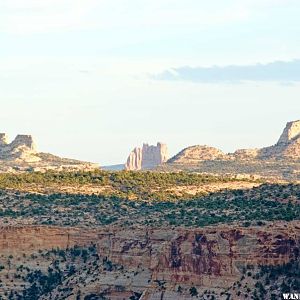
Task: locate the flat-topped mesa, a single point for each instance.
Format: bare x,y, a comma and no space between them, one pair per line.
290,133
147,157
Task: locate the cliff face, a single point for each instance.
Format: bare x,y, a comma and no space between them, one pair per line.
147,157
288,145
211,257
290,133
22,154
287,148
21,148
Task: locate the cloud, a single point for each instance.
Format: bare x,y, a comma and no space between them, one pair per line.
278,71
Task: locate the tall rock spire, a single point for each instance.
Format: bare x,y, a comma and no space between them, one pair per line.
147,157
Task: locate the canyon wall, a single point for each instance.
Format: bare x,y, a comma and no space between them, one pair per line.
212,257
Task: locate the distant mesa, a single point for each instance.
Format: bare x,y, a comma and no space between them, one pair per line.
287,148
147,157
22,155
281,160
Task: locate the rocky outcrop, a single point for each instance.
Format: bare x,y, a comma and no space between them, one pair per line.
3,139
288,145
147,157
290,133
205,257
197,153
22,148
134,160
287,148
22,155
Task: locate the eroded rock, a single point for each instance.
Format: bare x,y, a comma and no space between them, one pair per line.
147,157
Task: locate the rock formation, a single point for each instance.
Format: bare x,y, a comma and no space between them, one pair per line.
280,161
3,139
288,145
147,157
198,153
287,148
22,155
290,133
22,148
212,257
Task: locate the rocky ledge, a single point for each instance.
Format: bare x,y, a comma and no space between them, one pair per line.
211,257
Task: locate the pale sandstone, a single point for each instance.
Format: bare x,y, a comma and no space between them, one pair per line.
147,157
287,148
22,155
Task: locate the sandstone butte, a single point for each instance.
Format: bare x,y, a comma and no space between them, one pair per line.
147,157
286,148
22,155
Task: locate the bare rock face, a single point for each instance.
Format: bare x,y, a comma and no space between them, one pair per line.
208,257
198,153
134,160
22,140
288,145
21,148
3,139
290,133
287,148
147,157
22,155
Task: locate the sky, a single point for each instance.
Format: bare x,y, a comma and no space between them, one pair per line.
93,79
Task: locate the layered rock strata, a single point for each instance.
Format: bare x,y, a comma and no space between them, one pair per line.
212,257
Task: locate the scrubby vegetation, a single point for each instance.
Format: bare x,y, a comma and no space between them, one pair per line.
60,273
127,178
134,198
249,207
125,184
268,281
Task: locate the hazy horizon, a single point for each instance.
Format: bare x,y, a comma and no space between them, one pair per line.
93,79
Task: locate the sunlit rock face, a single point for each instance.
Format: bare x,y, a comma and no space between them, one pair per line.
212,257
198,153
3,139
22,155
290,133
147,157
21,148
287,148
288,145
